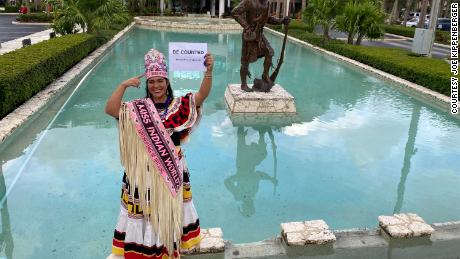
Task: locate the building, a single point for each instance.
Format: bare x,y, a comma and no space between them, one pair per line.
219,8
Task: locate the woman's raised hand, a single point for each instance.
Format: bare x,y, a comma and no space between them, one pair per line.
134,82
209,62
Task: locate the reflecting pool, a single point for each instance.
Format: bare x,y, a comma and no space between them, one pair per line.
357,148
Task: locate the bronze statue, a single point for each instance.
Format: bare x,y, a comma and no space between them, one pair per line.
252,15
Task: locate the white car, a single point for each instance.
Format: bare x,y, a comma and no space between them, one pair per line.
414,22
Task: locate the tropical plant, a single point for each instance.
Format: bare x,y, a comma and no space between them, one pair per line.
90,16
361,18
323,13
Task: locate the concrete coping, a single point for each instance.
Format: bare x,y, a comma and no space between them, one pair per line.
185,23
405,225
306,233
31,23
212,242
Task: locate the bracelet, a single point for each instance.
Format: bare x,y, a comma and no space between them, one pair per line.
208,76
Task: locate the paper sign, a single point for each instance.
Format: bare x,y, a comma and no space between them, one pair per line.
187,56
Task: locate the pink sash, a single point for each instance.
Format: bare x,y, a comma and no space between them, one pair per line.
157,141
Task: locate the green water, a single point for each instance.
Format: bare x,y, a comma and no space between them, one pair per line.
357,149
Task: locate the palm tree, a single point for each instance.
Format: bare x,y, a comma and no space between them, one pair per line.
421,21
92,16
395,12
370,23
361,18
406,11
109,13
323,13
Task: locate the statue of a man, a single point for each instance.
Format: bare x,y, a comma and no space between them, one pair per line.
252,15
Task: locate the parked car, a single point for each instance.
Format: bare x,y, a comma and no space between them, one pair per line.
414,22
443,24
417,15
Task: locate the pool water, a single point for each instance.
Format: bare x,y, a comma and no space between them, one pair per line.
358,148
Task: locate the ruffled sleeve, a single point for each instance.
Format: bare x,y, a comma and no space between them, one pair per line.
186,117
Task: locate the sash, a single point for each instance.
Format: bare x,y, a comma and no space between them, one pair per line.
148,155
157,141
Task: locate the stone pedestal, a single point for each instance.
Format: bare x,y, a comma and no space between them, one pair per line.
277,101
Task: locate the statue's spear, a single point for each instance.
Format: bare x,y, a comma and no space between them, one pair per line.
280,60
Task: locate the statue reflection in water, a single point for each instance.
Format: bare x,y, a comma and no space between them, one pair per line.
244,185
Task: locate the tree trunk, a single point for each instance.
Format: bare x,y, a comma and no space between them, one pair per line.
359,39
445,9
406,12
421,21
278,9
350,38
326,32
385,5
304,5
395,12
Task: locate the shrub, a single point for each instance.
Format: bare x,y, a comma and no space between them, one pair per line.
399,30
11,9
293,25
428,72
35,17
29,70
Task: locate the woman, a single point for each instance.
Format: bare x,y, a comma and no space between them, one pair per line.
157,216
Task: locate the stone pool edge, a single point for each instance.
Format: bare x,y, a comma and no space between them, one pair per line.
161,22
347,241
23,113
425,92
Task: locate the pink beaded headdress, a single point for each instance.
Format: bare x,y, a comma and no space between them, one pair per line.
155,64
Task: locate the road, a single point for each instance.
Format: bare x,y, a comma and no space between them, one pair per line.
392,41
9,31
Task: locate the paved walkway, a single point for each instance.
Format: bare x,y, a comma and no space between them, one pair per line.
17,43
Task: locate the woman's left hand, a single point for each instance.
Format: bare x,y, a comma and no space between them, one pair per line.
209,62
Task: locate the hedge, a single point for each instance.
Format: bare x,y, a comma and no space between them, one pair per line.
442,37
35,17
11,9
27,71
428,72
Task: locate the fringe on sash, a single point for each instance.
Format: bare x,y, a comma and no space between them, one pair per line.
162,210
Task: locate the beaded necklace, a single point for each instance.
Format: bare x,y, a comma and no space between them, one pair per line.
163,116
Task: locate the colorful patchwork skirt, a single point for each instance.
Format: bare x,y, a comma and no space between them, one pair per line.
134,237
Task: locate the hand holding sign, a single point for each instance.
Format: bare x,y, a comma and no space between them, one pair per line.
208,62
186,56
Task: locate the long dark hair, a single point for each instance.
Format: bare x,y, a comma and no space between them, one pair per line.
169,91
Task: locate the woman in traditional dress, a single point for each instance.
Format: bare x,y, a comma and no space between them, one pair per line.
157,217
